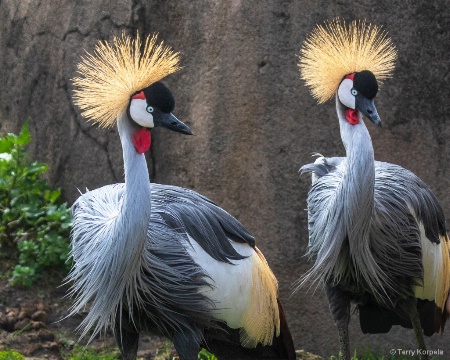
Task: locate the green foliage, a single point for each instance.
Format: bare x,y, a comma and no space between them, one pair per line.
10,355
206,355
84,353
167,352
32,219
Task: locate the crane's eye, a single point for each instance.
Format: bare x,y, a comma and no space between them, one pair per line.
353,91
149,109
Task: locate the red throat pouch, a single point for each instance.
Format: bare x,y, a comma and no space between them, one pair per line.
352,116
142,140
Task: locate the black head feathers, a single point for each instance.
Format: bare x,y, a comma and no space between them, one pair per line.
366,84
159,96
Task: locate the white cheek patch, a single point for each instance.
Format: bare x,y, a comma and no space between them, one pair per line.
138,112
345,95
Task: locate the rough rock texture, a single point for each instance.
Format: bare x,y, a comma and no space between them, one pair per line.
254,121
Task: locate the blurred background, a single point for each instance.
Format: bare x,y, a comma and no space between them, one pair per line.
253,119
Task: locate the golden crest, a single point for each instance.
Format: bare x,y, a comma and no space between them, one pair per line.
336,49
114,72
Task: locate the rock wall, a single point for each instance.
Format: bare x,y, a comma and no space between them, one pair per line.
254,121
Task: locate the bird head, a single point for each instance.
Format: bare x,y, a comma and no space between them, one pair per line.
123,76
150,108
153,107
357,92
348,61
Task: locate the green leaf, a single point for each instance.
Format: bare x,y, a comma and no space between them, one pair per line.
206,355
10,355
35,168
23,275
52,195
24,136
7,143
31,218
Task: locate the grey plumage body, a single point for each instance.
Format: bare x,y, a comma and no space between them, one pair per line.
170,290
108,269
368,223
146,258
402,201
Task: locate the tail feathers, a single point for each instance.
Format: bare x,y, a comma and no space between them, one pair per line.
432,317
261,319
375,319
443,300
284,344
226,343
264,332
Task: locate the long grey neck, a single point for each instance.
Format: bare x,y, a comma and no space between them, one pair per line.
357,198
113,279
358,183
136,206
134,212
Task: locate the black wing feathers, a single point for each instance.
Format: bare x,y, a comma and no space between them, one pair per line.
431,213
211,227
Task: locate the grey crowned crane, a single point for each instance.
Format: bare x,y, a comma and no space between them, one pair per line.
377,233
163,259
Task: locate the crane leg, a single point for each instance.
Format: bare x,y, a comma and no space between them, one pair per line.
127,337
339,302
410,307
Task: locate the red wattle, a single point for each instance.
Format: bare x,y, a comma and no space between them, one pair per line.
352,116
142,140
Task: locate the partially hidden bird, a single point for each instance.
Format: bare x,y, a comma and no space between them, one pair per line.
377,233
158,258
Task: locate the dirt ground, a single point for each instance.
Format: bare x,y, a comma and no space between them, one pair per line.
32,323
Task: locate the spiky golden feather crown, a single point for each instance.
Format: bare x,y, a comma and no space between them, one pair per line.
109,77
336,49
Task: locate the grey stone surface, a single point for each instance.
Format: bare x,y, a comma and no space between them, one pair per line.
254,121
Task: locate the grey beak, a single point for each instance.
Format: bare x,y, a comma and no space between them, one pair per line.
169,121
368,109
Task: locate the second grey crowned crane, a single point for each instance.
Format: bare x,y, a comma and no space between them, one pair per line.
163,259
377,233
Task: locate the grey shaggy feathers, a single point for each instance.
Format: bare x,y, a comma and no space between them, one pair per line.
400,200
363,219
129,251
169,287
